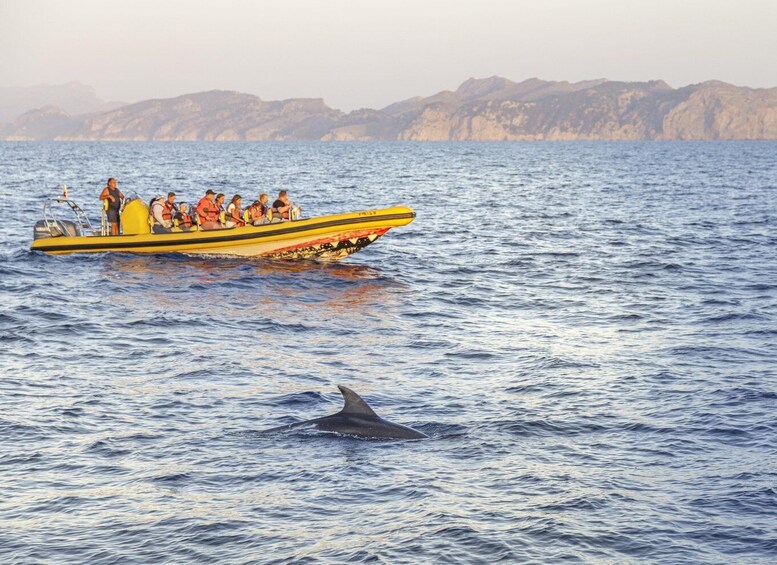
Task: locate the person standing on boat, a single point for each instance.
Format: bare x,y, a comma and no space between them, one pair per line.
208,211
113,197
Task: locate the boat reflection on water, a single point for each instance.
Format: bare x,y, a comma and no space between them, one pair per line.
274,290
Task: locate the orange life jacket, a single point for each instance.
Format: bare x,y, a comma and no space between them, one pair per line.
167,212
207,210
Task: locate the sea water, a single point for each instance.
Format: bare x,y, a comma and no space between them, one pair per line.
586,331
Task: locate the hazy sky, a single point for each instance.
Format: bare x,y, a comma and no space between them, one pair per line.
369,53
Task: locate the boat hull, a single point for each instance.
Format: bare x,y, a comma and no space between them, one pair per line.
325,237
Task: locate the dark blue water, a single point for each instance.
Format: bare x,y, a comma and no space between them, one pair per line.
588,333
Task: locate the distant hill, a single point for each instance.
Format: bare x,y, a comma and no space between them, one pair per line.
73,98
492,109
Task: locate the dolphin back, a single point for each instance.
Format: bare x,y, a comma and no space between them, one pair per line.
356,419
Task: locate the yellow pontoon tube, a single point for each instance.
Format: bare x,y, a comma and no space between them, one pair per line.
326,237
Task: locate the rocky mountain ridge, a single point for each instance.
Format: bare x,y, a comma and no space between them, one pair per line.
73,98
492,109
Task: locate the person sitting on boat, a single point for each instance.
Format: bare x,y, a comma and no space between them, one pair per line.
162,214
258,213
220,205
170,208
157,221
284,207
254,212
113,197
208,211
235,213
183,217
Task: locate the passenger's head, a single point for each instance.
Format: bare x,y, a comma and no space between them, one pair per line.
210,195
171,197
255,204
112,182
220,198
262,198
184,208
236,200
282,195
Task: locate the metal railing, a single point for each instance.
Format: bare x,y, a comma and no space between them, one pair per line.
51,219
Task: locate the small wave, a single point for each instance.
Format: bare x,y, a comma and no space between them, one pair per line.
760,286
22,460
6,318
651,265
741,395
298,399
558,363
173,478
557,254
12,431
472,355
102,447
525,262
442,431
584,503
645,428
523,389
73,412
626,318
480,547
18,337
546,428
729,354
760,332
733,316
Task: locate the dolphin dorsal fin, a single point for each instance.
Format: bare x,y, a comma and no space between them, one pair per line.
354,405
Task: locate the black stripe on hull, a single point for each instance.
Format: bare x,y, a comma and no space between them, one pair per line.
129,245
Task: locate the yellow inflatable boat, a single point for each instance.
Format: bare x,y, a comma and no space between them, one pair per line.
325,237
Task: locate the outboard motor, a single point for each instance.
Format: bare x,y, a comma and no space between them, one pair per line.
57,228
52,226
